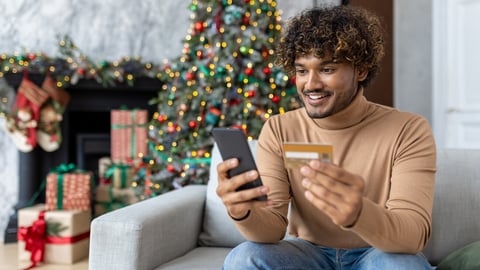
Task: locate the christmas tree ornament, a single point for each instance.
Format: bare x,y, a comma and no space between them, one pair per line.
199,26
267,71
22,123
51,114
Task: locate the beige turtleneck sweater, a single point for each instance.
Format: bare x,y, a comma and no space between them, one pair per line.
393,151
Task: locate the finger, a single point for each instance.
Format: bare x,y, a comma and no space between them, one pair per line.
342,214
233,184
322,195
336,173
325,181
321,204
233,196
224,166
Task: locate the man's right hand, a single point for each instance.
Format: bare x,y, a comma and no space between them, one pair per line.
238,203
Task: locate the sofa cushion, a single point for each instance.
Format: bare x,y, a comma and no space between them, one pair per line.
200,258
466,258
455,219
218,229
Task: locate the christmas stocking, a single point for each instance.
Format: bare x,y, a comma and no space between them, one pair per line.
49,132
21,124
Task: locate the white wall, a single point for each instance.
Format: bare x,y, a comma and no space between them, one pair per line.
103,30
413,57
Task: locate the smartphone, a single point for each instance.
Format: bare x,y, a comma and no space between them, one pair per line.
232,143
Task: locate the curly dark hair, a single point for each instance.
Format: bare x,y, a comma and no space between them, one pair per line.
346,32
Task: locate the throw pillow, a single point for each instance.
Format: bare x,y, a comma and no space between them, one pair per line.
218,228
466,258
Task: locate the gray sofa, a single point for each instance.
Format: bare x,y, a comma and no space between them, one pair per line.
189,228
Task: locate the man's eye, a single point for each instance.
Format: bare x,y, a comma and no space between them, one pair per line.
300,71
328,70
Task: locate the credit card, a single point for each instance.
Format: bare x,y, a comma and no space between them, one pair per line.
297,155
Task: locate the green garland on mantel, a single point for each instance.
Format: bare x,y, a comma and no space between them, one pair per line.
72,65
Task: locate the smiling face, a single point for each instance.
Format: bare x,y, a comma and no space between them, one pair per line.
326,85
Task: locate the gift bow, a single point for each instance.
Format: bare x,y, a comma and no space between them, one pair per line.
35,239
64,168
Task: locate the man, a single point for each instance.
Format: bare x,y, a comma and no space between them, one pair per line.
370,208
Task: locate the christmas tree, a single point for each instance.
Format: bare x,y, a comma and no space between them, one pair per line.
225,77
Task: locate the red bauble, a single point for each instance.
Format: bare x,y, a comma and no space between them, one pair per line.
267,71
170,168
234,102
251,93
81,71
190,76
215,111
171,129
245,20
249,71
31,56
199,54
192,124
275,99
162,118
199,27
293,80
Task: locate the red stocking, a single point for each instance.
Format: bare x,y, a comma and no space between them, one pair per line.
23,120
49,133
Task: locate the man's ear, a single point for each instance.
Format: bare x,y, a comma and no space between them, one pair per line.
362,73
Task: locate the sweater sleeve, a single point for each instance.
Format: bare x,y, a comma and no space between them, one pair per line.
404,223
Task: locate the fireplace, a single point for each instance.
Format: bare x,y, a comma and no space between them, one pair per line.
85,132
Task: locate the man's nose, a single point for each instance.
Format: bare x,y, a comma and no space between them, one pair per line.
314,81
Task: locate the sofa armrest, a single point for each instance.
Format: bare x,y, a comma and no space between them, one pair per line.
149,233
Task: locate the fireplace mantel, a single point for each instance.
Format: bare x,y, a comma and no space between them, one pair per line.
85,131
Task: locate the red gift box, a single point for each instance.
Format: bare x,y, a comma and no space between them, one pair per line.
68,190
128,134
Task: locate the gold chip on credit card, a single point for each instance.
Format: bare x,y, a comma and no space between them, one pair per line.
297,155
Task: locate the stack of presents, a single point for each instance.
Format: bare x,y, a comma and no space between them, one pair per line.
58,230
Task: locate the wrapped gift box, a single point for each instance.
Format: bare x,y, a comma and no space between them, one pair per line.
69,191
109,194
128,134
108,198
119,175
67,234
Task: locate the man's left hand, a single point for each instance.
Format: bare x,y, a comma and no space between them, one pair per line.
334,191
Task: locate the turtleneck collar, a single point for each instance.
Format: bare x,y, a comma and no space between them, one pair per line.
351,115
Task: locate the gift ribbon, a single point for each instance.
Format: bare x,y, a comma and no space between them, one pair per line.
123,172
132,126
67,240
34,237
60,171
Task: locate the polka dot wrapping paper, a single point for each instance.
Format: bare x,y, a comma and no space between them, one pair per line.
69,191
